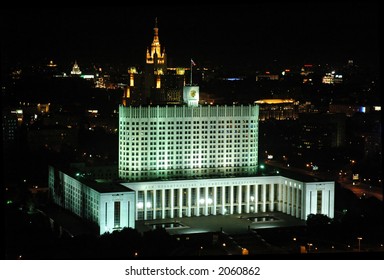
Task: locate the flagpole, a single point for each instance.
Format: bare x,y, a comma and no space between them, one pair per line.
191,72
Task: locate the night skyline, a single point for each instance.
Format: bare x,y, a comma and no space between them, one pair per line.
250,36
102,160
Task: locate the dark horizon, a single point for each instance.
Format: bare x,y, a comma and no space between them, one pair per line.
229,36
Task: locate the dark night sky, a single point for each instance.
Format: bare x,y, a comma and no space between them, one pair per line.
291,32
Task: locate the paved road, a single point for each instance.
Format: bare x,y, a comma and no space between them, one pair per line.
361,189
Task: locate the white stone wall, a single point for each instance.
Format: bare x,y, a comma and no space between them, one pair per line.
107,211
319,198
84,201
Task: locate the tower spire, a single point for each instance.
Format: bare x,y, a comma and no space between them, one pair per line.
156,34
156,49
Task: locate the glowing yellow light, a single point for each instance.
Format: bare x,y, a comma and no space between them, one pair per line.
274,101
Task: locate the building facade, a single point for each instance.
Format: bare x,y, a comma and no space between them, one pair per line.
165,142
107,205
278,109
240,195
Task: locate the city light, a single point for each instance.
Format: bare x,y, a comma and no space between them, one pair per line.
359,240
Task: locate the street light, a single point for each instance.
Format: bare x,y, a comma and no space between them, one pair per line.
309,246
359,239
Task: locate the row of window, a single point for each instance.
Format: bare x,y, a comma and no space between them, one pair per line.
185,154
185,164
174,160
197,133
169,172
180,128
187,122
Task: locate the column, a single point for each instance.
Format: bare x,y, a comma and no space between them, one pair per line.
264,200
272,197
172,202
137,208
279,197
206,201
222,200
198,201
256,198
288,200
292,200
214,200
189,201
247,198
298,203
239,199
331,202
284,202
154,203
231,200
181,192
145,205
163,203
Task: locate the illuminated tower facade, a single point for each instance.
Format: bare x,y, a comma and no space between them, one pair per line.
155,65
76,70
156,84
187,142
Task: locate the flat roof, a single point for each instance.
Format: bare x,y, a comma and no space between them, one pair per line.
106,187
101,186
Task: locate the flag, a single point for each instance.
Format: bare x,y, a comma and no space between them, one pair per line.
192,62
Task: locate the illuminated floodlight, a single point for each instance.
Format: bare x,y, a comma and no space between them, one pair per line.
140,205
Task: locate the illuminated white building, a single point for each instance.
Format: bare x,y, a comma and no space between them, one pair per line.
187,141
231,195
110,206
184,161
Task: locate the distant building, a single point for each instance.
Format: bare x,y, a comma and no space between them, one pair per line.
320,131
332,78
9,125
157,84
277,109
267,76
348,109
75,70
307,70
52,137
